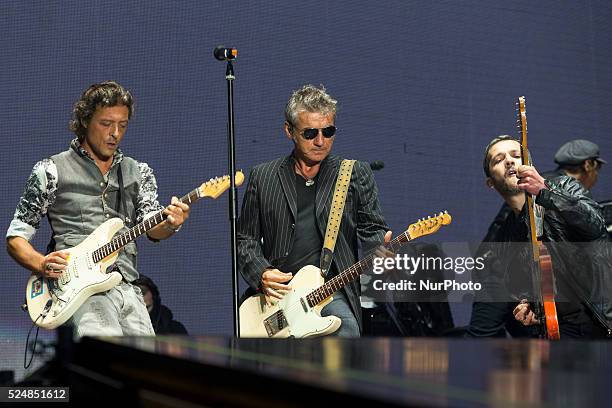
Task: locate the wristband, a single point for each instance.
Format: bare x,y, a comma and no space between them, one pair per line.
169,228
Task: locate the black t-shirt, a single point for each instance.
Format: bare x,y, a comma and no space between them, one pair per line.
308,241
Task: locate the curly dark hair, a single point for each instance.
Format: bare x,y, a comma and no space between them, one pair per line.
107,93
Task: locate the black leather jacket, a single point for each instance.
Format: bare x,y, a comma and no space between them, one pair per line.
575,234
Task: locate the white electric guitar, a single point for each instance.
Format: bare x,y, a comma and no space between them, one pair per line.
298,313
52,301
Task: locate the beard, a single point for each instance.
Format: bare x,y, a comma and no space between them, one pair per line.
505,187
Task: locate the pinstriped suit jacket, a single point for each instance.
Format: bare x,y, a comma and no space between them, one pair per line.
266,225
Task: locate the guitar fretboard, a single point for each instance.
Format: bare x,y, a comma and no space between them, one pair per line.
121,240
342,279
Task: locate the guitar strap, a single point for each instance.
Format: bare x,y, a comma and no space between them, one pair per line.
120,205
335,215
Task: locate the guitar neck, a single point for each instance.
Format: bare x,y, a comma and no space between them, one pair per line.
526,159
530,206
121,240
348,275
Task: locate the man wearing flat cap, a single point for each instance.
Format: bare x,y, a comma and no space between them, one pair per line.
580,159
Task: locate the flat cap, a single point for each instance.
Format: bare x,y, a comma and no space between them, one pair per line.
577,151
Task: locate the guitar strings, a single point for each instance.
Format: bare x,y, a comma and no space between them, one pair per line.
297,304
400,239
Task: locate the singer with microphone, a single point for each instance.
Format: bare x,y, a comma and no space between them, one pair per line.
286,209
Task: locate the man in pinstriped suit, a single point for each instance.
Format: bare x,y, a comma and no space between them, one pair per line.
286,207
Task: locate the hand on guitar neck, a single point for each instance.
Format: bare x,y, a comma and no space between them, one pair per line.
529,180
176,214
382,251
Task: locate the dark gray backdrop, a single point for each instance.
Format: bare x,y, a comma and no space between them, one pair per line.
422,86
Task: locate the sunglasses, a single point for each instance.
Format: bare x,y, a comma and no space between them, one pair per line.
311,133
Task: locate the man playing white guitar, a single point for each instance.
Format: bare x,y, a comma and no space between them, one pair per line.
80,189
286,209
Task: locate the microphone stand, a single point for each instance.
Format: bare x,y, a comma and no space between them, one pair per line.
233,197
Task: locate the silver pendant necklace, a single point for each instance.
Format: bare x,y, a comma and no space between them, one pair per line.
309,181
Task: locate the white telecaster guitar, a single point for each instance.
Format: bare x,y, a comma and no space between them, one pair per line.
298,313
52,301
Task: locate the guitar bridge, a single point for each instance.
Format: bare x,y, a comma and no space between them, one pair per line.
275,323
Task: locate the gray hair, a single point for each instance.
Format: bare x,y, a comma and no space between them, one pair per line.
105,94
309,98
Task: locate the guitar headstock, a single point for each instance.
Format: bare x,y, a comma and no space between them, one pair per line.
521,122
522,104
429,225
214,187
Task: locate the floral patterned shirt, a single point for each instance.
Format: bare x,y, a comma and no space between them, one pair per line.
41,188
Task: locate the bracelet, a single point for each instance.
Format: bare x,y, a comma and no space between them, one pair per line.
169,228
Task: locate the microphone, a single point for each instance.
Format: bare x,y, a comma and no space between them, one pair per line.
377,165
223,54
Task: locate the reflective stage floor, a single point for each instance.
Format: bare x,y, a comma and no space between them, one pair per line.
213,371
